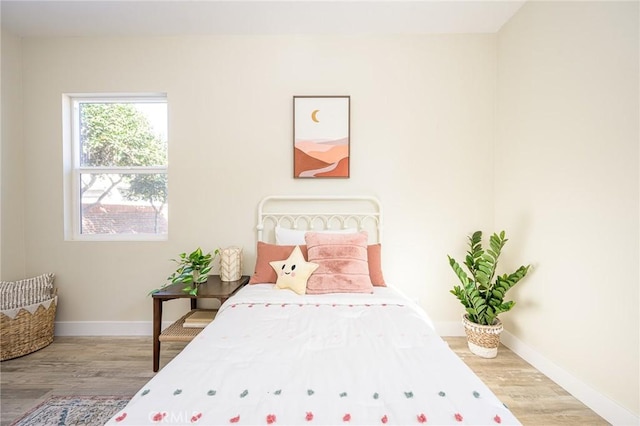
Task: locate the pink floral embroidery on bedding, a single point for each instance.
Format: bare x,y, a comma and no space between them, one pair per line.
309,416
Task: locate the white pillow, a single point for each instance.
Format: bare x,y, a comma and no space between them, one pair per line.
16,294
295,237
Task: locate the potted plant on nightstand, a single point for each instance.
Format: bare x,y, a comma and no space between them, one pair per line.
193,269
482,295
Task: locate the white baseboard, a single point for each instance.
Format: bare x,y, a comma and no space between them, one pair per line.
602,405
610,410
450,328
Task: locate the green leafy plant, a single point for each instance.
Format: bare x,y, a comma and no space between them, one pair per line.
481,294
193,269
118,134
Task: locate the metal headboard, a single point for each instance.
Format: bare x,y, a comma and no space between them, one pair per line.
316,212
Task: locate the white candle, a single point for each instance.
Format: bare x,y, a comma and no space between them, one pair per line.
230,263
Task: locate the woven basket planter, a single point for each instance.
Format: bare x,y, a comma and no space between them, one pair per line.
483,340
26,332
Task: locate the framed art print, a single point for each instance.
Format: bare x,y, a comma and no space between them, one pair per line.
321,136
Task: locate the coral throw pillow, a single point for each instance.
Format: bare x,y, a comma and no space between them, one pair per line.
374,257
343,263
264,273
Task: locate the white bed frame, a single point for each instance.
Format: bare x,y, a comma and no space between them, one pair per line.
318,212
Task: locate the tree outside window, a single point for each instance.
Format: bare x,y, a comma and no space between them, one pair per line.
121,148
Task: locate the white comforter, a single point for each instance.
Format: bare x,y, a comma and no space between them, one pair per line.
273,357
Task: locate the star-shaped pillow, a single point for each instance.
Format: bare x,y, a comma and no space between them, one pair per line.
294,271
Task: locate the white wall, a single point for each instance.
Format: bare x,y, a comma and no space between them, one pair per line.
12,166
421,122
566,186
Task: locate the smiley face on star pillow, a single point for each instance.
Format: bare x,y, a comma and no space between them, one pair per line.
293,272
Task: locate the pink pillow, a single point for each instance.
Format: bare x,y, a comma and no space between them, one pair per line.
270,252
343,263
264,273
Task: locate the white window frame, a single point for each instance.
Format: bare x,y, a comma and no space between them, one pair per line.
73,170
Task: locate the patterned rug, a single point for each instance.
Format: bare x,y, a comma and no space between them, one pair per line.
73,410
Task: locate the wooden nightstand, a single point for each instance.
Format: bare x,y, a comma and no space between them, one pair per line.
214,288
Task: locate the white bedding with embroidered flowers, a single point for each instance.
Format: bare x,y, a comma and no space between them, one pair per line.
275,357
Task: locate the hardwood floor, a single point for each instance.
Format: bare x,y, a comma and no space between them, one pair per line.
122,365
532,397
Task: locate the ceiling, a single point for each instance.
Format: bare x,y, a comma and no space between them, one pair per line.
28,18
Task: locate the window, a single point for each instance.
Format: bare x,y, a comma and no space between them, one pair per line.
118,167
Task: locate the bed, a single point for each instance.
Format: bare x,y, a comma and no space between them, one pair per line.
273,356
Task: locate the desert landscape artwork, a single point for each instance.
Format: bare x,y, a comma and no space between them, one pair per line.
321,136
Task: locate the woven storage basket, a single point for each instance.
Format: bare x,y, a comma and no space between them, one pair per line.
483,340
27,332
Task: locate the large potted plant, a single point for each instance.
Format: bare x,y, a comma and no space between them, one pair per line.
482,293
193,269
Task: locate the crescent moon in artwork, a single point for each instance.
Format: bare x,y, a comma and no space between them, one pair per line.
314,116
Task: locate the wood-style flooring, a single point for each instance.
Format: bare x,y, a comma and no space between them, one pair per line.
122,365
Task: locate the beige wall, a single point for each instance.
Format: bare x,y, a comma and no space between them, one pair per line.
420,122
566,186
12,166
564,78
